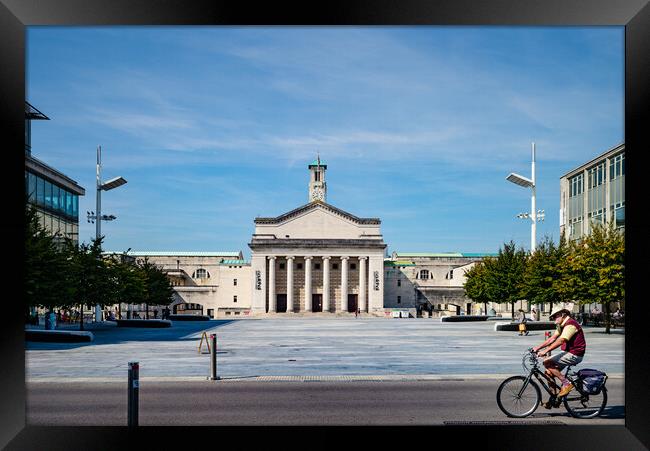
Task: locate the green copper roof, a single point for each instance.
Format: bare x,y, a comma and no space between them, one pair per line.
430,254
234,262
315,163
399,263
176,254
445,254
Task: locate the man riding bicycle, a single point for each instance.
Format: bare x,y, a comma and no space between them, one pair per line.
570,336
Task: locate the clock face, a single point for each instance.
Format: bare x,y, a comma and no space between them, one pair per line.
317,194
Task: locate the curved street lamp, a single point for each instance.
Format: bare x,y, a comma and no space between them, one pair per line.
534,215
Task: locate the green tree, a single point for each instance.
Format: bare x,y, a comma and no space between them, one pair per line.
158,290
543,275
46,275
129,278
90,276
476,284
594,271
505,274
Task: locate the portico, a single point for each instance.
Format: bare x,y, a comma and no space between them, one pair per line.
317,258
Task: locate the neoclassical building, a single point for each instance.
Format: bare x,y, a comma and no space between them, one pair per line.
317,259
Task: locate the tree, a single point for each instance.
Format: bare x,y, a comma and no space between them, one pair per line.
91,277
543,275
158,290
130,280
595,268
475,283
46,278
505,274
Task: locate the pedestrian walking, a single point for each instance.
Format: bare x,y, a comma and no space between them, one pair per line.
522,323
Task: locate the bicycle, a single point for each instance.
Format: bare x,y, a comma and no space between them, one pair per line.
520,396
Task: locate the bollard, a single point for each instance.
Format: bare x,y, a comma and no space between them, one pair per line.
213,358
134,388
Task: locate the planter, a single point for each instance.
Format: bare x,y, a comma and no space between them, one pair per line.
463,318
532,325
58,336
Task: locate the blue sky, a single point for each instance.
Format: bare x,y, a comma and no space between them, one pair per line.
419,126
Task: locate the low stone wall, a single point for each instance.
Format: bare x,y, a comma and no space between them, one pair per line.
58,336
463,318
189,317
143,323
531,325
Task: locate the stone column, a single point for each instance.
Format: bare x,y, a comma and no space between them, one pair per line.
363,280
290,284
344,284
273,299
326,284
308,284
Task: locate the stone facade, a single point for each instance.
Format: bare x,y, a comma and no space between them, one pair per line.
319,259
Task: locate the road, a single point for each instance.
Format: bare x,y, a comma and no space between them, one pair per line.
196,402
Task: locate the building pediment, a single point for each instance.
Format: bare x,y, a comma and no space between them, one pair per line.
317,221
314,206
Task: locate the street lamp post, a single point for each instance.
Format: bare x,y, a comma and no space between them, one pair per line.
97,218
534,215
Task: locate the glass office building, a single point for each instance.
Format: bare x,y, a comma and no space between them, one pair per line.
54,195
593,192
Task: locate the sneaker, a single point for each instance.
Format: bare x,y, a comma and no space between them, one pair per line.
566,389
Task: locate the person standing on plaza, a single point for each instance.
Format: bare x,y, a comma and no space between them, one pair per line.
522,323
534,314
570,336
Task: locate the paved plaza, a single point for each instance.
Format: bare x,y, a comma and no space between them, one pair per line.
289,348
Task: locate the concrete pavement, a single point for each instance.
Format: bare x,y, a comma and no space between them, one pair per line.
307,347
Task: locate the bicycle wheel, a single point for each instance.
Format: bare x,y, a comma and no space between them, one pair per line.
516,404
583,405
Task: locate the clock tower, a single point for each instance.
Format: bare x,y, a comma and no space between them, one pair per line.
317,185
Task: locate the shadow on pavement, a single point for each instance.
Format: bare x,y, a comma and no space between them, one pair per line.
180,331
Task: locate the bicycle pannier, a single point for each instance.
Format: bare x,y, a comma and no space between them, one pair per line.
592,380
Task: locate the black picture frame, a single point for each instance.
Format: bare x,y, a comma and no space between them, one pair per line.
15,15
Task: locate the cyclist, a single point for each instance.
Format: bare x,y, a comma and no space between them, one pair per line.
570,336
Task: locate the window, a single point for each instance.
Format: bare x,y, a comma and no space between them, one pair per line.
234,282
399,282
399,299
617,212
201,274
353,266
450,275
316,265
48,194
596,176
335,266
56,195
317,176
282,265
575,185
298,265
424,274
234,298
31,187
617,166
40,191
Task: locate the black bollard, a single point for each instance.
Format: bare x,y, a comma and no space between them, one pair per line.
134,388
213,358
